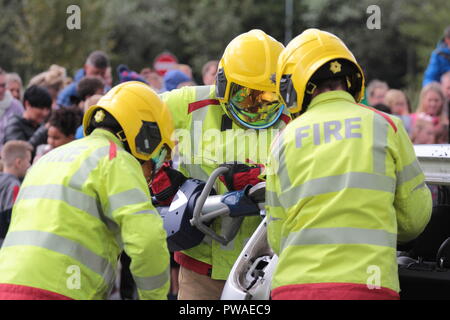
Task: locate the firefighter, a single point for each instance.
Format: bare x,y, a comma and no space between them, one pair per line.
84,202
343,181
224,123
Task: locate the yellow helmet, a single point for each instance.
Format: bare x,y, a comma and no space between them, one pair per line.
138,116
312,56
243,81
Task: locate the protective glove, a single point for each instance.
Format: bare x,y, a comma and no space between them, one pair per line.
166,183
240,175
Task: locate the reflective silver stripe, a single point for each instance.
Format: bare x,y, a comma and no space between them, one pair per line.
68,195
198,117
341,236
202,93
380,134
64,246
272,199
129,197
420,186
283,174
360,180
89,164
409,172
154,282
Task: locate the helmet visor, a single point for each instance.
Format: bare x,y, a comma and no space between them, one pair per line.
254,107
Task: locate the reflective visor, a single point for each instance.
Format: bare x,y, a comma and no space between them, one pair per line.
254,107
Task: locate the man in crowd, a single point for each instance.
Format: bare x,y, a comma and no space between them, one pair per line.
95,66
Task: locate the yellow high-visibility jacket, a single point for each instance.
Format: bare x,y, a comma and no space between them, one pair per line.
208,138
78,207
343,187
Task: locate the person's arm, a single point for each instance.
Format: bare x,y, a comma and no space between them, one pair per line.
13,130
433,71
127,203
177,102
413,201
39,137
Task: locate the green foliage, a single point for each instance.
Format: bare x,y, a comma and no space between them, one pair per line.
42,36
35,35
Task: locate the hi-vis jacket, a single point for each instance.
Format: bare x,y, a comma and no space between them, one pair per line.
208,138
78,207
343,186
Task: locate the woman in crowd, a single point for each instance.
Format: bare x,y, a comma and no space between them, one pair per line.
431,103
53,80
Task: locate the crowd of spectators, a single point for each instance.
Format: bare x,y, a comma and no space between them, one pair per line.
48,111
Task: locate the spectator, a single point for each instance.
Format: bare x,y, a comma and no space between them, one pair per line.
38,104
87,104
53,80
108,79
173,78
153,79
9,106
62,126
397,101
439,60
14,85
125,74
95,66
209,72
445,85
376,90
16,157
186,69
88,87
431,103
423,131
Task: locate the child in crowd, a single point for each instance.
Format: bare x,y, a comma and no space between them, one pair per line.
16,158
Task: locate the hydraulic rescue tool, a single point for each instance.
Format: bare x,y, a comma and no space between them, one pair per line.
196,205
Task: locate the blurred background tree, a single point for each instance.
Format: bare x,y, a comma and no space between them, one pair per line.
34,34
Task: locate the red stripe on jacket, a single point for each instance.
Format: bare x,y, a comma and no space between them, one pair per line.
19,292
332,291
285,118
112,150
202,103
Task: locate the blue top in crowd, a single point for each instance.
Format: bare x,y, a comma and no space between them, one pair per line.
438,65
